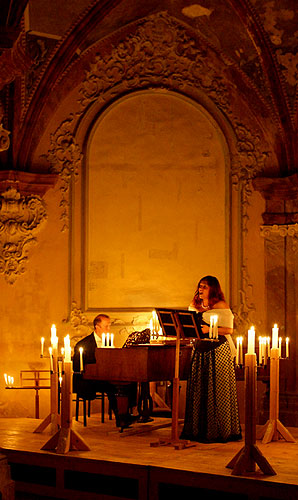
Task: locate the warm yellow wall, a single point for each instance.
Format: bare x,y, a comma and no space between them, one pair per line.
156,219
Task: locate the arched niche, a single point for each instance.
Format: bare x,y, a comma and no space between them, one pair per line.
157,203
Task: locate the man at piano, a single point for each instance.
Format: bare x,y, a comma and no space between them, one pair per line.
87,389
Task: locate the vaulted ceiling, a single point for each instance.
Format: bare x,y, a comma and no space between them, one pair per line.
256,41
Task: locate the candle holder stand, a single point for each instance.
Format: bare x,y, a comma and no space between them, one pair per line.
66,438
245,460
53,419
273,430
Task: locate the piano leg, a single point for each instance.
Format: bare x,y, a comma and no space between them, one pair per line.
145,403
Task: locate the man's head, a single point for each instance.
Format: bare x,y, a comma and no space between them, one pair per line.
102,324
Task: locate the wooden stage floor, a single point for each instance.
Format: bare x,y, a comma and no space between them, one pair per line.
123,465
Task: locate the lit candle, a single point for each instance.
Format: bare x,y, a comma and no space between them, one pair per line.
274,336
238,350
279,346
260,350
215,326
67,349
241,351
251,341
54,338
103,340
112,340
81,359
51,358
268,347
5,378
41,346
287,347
265,350
211,327
62,351
108,339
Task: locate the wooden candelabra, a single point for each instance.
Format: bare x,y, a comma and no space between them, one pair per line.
66,438
53,418
273,430
245,460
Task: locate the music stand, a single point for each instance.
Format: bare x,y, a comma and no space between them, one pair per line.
182,324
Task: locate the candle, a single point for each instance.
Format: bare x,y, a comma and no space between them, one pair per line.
287,347
211,327
260,350
62,351
279,346
112,340
238,350
103,340
265,339
251,341
5,378
67,349
81,359
51,358
59,368
54,338
108,339
215,326
241,351
274,336
268,347
41,346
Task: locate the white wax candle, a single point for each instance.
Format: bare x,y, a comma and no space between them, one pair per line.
5,378
103,340
260,350
238,350
251,341
279,346
287,347
265,350
211,328
108,339
67,349
51,358
241,352
268,347
274,336
54,338
112,340
81,359
41,346
215,326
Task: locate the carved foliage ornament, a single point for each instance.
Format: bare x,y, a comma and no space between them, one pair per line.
4,138
20,219
65,159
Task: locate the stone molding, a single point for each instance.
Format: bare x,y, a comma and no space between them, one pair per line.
14,62
4,138
21,217
283,230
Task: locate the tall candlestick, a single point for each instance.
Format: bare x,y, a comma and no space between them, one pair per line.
41,346
103,340
279,346
238,350
268,347
287,347
265,353
274,336
81,359
215,326
260,350
108,339
251,341
112,340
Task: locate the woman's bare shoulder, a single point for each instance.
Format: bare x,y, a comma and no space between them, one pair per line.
221,305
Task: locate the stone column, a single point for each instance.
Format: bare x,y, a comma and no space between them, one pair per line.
280,232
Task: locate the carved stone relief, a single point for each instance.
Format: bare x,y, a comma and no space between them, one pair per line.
20,219
65,159
289,231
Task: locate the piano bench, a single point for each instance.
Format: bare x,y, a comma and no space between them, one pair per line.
100,396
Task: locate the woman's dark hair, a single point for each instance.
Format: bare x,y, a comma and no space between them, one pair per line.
215,292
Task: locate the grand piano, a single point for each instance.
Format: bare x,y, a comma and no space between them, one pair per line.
139,363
